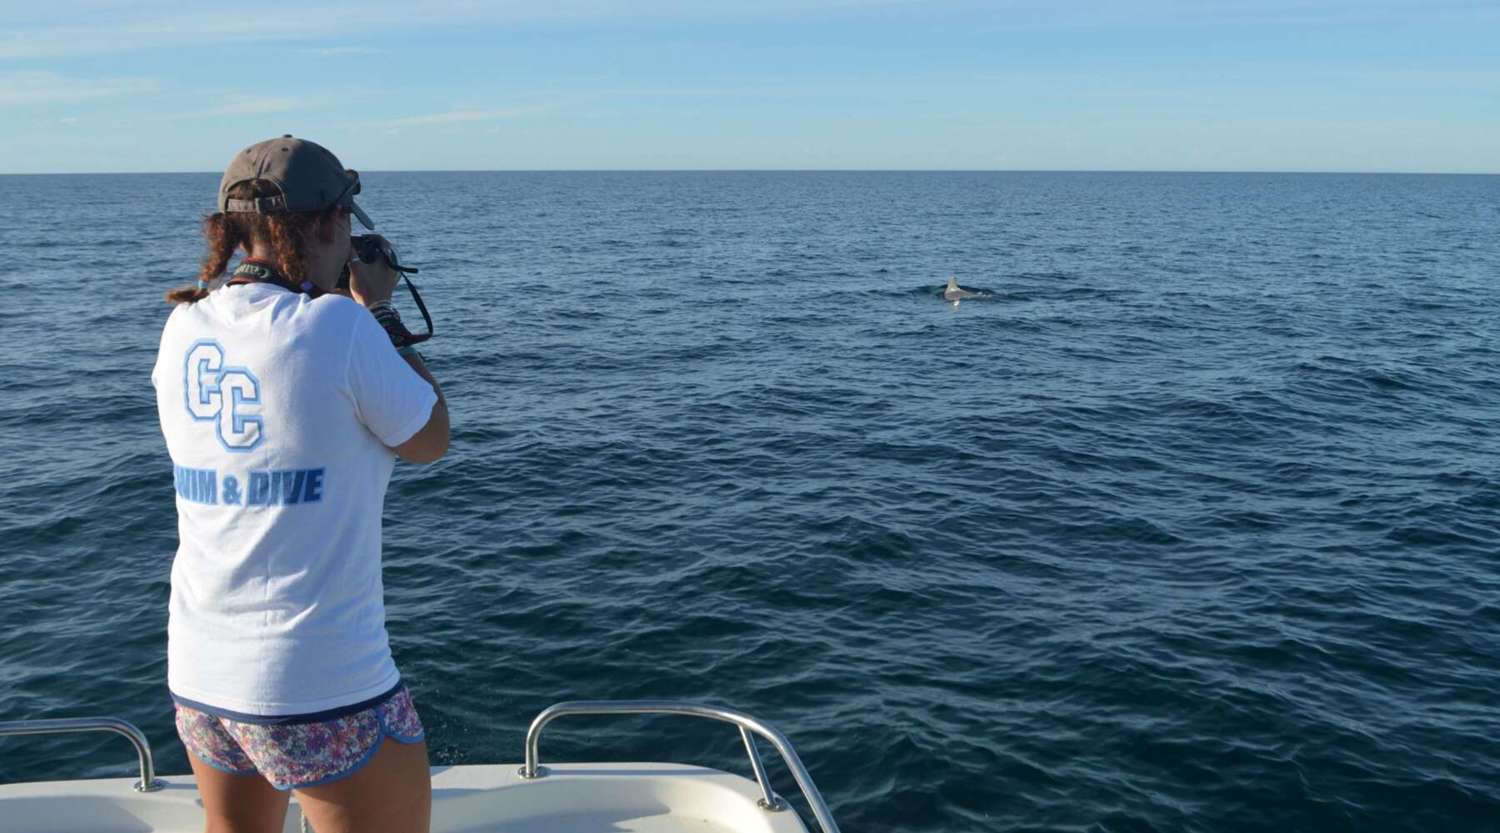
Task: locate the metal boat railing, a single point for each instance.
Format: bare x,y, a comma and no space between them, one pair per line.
747,725
68,725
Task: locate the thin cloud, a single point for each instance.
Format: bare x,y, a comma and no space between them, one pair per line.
154,26
251,107
755,89
165,30
340,51
43,87
460,116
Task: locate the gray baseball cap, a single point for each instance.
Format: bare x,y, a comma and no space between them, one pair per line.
308,175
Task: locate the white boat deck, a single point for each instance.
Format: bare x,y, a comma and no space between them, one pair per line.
556,798
581,798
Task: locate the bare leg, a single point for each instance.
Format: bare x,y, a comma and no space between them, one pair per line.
238,803
392,794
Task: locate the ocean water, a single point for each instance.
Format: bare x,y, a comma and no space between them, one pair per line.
1193,525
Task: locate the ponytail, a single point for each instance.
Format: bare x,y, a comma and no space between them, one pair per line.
187,294
223,237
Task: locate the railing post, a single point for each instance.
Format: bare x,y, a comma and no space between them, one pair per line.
68,725
532,767
770,800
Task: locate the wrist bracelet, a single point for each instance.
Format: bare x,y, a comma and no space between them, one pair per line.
389,319
384,311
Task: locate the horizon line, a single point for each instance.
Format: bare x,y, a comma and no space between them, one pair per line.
807,170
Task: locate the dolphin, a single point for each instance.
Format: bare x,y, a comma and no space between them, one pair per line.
955,293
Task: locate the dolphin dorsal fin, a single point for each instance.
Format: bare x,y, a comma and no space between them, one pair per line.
952,282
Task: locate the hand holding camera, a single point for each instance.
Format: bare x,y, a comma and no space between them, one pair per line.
370,277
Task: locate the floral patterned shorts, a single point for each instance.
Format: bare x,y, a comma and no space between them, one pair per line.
292,755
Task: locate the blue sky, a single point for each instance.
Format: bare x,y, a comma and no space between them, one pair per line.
1337,85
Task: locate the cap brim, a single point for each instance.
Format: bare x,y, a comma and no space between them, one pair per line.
364,219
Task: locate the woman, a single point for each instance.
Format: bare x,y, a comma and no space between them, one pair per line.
284,403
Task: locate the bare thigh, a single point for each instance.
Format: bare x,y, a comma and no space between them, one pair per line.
391,794
238,803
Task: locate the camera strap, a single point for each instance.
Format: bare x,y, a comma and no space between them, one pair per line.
258,271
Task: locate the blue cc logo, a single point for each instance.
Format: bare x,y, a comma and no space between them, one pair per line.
229,396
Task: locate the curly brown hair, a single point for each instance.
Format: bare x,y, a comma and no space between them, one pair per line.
284,234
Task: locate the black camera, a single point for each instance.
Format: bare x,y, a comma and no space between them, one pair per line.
372,247
368,247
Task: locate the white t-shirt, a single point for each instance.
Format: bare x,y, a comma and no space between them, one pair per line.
280,412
